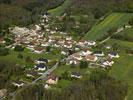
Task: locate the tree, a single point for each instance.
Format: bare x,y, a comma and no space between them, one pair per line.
65,75
28,60
20,56
19,48
48,48
83,64
130,22
4,51
112,31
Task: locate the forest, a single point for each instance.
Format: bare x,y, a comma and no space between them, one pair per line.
99,86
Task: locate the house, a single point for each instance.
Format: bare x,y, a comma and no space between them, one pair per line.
37,27
82,42
113,55
2,93
41,60
52,79
68,38
92,58
46,86
31,73
91,43
85,52
38,50
44,44
63,53
18,83
72,61
98,53
67,45
107,62
2,40
77,56
19,31
76,75
108,47
41,67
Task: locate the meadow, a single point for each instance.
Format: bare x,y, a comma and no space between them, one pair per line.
114,20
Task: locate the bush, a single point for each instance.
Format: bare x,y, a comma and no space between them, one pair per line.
130,22
19,48
28,60
83,64
20,56
3,51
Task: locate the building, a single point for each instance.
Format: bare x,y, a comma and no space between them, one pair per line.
98,53
92,58
18,83
77,56
76,75
41,60
52,79
41,67
2,93
113,55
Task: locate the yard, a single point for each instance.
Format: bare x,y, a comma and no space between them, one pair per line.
111,21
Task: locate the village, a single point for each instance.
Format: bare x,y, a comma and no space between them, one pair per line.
41,38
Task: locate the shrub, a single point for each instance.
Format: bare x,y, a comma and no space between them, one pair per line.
19,48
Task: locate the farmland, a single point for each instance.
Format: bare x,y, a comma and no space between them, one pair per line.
111,21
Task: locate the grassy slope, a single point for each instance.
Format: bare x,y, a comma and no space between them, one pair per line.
120,42
113,20
123,67
61,9
128,32
122,70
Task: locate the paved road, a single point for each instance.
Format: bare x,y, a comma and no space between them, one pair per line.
44,75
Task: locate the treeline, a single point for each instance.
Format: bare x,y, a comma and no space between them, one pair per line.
99,86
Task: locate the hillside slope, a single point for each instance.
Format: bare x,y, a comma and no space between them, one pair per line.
114,20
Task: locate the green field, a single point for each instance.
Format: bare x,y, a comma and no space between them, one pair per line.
61,9
123,44
127,33
111,21
123,67
13,57
123,70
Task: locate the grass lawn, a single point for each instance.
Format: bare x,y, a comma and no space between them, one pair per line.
65,83
13,57
60,9
69,69
113,20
